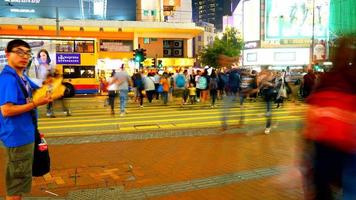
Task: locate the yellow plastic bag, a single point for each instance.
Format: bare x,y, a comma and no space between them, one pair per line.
53,86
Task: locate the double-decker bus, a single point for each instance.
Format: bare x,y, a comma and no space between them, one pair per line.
74,59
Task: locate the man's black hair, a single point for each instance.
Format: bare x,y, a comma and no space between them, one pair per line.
16,43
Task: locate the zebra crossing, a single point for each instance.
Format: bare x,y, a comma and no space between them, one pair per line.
91,117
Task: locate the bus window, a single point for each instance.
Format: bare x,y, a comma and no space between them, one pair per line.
78,72
70,72
64,46
84,46
87,73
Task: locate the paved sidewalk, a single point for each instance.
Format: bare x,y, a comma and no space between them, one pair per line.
213,166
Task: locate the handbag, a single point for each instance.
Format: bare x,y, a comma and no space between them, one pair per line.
41,161
160,88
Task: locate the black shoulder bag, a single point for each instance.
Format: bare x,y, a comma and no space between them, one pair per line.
41,160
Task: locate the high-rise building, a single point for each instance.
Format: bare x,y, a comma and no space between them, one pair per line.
211,11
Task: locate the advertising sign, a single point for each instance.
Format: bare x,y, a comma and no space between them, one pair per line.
294,18
251,16
116,45
70,9
66,59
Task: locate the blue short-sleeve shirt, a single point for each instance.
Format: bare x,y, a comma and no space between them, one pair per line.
16,130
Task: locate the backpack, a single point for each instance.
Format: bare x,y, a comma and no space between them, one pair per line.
139,83
202,82
213,84
180,81
234,79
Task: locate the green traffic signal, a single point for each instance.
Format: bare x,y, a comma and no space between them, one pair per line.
138,58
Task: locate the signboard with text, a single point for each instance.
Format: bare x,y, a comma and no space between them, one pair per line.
68,59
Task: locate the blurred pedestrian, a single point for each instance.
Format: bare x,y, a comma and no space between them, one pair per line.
123,81
308,83
232,90
165,87
213,87
150,87
329,129
112,91
267,84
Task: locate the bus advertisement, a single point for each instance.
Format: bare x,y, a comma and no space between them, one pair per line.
74,59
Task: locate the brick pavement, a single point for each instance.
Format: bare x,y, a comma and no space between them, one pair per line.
150,163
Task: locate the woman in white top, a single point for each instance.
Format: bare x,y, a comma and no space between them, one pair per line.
112,91
150,86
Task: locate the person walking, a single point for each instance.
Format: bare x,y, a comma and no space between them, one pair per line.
17,119
267,83
165,85
123,81
329,129
232,90
112,90
149,83
213,87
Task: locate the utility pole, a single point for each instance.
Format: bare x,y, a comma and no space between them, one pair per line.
312,42
57,22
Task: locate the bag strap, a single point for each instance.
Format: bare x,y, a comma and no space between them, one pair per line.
25,93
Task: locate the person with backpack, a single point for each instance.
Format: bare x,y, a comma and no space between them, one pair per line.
213,87
202,85
180,86
222,80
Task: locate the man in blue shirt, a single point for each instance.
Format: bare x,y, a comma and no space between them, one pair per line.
17,127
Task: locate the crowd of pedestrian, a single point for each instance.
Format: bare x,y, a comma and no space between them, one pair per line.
209,85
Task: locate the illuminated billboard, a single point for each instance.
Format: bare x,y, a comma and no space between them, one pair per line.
70,9
251,16
294,18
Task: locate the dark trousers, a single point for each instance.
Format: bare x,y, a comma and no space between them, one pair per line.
213,96
112,95
165,97
268,101
150,94
333,167
156,93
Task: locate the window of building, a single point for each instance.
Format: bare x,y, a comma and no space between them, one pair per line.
146,40
199,38
145,12
153,12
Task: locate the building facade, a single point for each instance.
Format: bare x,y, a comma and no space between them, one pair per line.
117,26
281,33
211,11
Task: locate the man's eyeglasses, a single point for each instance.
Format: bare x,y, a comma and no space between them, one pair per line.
22,53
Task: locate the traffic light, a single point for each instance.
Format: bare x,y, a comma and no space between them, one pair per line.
153,62
160,65
139,55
